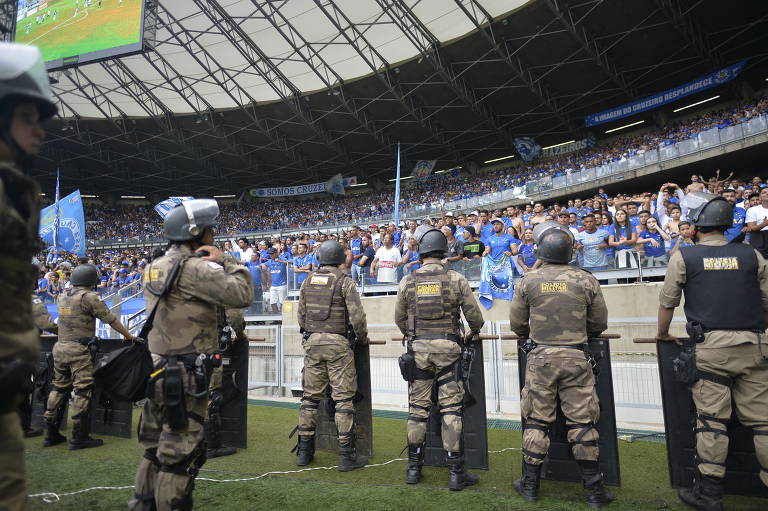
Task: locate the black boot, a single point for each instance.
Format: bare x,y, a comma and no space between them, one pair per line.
706,493
458,478
305,450
215,448
31,432
81,438
528,485
52,435
597,494
348,458
415,462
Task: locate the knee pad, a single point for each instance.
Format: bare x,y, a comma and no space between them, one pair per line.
189,466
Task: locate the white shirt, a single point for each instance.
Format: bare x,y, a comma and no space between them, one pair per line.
388,258
245,255
757,214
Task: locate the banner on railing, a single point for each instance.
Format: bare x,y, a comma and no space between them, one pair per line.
423,169
71,236
576,145
527,147
496,282
648,103
334,185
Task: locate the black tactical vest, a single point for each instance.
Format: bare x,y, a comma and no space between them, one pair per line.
431,310
721,290
326,310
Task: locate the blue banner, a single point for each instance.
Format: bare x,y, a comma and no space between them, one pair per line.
649,103
397,188
496,281
527,147
71,224
330,186
168,204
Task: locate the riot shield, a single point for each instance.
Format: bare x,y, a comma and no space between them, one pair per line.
742,468
326,435
110,416
559,464
475,432
43,387
234,378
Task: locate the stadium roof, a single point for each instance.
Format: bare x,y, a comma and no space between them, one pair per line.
244,93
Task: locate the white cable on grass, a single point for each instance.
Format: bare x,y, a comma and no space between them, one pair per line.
51,498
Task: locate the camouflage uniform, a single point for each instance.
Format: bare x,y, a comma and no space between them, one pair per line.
561,306
328,302
184,324
428,307
73,364
19,339
731,353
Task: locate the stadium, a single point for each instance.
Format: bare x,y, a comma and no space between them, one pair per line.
364,122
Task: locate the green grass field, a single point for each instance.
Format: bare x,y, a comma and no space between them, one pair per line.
94,28
644,476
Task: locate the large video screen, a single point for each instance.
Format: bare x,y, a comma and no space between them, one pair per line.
70,32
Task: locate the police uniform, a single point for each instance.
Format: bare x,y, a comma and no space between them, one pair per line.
559,307
184,327
328,304
429,303
726,291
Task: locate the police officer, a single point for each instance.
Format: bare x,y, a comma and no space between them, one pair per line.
428,313
559,307
183,289
726,298
74,355
328,306
25,102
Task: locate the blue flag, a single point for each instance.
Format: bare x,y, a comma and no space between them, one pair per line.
69,222
496,280
397,188
168,204
527,147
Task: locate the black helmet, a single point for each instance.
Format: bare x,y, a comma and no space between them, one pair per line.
190,219
84,275
706,210
331,253
431,241
555,246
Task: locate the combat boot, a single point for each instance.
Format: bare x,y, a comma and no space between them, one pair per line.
305,450
528,485
215,448
32,432
706,493
458,478
597,494
81,438
348,458
52,435
415,462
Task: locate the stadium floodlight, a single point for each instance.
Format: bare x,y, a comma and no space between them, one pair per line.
558,145
88,196
359,184
625,126
697,103
133,197
224,196
499,159
402,178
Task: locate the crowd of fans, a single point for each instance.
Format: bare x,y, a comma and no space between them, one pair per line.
140,222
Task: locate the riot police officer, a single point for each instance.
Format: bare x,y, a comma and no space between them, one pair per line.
25,102
74,356
726,299
428,313
183,289
559,307
328,307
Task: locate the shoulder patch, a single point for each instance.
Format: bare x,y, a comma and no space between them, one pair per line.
720,263
154,274
319,280
215,266
554,287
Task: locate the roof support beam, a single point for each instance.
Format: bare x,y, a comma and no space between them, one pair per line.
686,25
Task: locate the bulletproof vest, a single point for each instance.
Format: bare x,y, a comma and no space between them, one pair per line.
721,289
75,321
326,310
430,307
558,304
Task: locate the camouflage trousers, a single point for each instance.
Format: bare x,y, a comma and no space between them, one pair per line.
13,484
172,457
748,397
326,364
450,398
564,373
72,368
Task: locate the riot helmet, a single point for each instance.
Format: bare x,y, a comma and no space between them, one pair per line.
554,244
707,210
84,275
190,219
432,242
331,253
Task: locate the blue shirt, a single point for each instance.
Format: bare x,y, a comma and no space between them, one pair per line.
42,283
354,246
264,255
278,271
255,269
528,254
414,256
650,250
300,261
395,239
634,221
500,244
739,215
592,255
608,229
486,231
